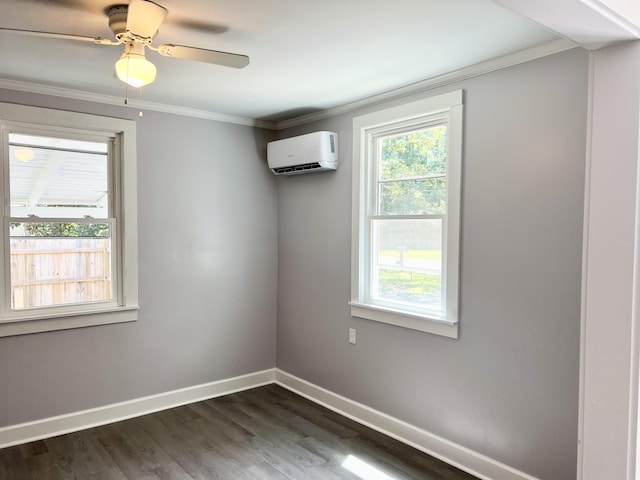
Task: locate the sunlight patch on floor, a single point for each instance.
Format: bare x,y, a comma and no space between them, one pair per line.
364,470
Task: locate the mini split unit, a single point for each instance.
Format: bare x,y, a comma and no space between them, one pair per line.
313,152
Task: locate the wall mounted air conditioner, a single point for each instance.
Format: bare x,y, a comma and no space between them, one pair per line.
313,152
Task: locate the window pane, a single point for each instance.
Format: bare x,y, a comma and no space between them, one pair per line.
59,264
416,154
57,177
413,197
407,262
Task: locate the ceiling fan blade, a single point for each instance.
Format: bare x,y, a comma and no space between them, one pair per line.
62,36
202,55
145,17
75,4
197,25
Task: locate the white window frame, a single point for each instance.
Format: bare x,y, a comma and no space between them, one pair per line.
124,307
445,109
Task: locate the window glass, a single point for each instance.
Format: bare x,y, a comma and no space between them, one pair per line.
406,256
418,153
58,177
59,263
412,172
407,262
413,197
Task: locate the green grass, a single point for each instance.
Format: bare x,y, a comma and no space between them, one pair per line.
407,285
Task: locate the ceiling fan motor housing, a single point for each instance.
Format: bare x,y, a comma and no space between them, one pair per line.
118,20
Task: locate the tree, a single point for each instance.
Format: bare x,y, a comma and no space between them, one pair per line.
413,168
85,230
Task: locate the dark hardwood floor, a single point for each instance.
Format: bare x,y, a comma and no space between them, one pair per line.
264,433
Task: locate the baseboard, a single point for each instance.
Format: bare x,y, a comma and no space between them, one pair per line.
472,462
461,457
51,427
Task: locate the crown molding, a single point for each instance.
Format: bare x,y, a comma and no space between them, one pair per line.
498,63
522,56
144,105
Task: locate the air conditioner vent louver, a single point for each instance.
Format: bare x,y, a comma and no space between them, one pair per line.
296,169
313,152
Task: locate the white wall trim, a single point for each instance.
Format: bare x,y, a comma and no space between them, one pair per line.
134,104
585,264
634,380
516,58
461,457
72,422
613,16
593,24
610,337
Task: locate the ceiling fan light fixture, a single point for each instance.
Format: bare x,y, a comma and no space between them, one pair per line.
134,69
23,154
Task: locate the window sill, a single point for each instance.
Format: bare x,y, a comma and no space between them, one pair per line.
413,321
35,324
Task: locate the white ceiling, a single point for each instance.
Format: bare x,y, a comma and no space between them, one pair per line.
306,55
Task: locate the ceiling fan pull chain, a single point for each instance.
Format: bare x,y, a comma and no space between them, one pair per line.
126,101
140,100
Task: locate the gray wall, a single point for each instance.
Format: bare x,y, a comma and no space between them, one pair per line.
210,254
508,387
208,265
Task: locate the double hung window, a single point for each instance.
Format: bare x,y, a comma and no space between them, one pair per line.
68,256
407,172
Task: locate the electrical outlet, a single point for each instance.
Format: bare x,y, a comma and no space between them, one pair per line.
352,336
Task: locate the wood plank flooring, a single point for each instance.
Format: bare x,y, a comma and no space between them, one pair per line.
263,433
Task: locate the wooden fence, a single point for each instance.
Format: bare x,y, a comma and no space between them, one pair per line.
59,271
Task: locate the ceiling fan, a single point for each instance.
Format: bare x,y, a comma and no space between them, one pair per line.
134,26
